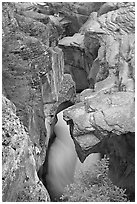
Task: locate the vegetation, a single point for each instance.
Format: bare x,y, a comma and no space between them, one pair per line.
94,187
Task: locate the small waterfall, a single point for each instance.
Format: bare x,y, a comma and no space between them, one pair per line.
63,161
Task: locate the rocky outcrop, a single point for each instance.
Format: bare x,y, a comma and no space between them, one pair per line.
105,41
19,176
115,31
98,57
104,119
66,94
77,61
75,14
105,123
104,112
33,75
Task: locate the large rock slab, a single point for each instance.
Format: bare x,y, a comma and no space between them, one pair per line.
103,113
105,123
76,40
20,182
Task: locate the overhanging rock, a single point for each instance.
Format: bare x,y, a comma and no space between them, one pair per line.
100,116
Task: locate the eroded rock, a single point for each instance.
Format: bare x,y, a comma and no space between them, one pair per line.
76,13
105,123
116,38
32,73
100,57
106,112
77,61
19,176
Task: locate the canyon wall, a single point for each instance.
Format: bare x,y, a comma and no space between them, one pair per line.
20,181
105,114
32,76
50,52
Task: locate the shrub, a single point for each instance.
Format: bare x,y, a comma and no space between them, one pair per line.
94,186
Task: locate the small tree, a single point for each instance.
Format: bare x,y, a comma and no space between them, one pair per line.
94,186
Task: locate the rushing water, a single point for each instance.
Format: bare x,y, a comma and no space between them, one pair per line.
62,160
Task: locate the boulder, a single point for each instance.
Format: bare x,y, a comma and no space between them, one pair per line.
20,182
105,123
104,112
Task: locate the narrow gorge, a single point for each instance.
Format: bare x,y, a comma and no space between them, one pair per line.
68,101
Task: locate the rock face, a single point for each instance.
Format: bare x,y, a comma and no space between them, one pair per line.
105,123
77,61
74,13
19,177
107,115
103,120
33,75
105,41
117,43
50,52
104,112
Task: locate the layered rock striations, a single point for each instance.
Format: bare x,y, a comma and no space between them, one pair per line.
50,52
115,31
105,41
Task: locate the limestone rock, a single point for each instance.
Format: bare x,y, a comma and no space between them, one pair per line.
76,61
100,58
30,70
53,76
104,112
115,31
37,16
75,40
20,182
76,13
24,6
105,123
67,92
80,53
107,7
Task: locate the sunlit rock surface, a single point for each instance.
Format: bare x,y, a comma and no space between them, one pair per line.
108,121
106,112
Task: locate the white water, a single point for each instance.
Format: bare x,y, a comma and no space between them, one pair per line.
63,160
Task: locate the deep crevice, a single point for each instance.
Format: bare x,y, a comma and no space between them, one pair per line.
43,171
